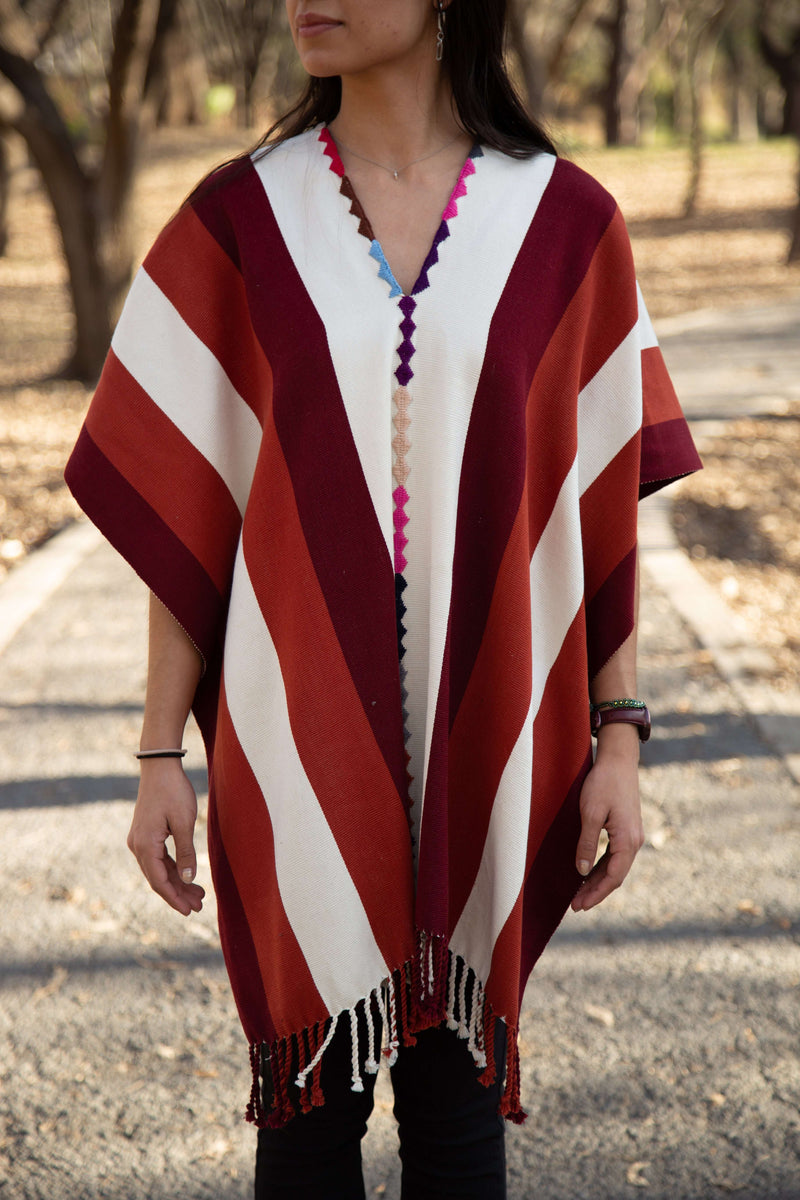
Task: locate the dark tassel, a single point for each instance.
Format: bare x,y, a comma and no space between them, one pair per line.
255,1108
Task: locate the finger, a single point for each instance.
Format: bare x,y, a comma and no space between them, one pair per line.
185,858
606,877
161,873
591,825
190,894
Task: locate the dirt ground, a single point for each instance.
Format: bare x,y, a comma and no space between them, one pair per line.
732,253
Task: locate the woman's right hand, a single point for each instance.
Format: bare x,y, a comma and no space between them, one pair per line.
167,807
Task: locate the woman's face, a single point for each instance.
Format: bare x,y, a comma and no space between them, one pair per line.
347,37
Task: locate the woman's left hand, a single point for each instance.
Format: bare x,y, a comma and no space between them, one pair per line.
610,801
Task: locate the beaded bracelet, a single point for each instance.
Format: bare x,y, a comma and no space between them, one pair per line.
159,754
624,703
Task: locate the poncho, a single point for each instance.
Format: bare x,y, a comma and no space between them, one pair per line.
401,531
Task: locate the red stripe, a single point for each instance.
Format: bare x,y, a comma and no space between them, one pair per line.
349,775
498,463
609,515
338,520
245,833
491,715
548,272
166,469
149,545
561,742
659,401
213,301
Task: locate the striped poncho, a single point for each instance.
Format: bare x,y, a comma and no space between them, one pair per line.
401,531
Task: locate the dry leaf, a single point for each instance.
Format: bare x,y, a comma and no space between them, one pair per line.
603,1016
634,1174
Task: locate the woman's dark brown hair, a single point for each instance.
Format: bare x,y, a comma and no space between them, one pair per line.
485,99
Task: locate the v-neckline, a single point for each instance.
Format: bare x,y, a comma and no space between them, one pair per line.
376,251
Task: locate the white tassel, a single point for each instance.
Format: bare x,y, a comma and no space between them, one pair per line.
475,1021
463,1031
370,1065
430,966
301,1078
358,1083
451,994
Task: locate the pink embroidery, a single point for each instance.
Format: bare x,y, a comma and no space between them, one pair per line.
459,190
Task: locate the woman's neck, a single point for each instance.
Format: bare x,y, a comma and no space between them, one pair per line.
395,116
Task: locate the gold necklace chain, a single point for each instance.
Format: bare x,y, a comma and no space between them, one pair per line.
396,172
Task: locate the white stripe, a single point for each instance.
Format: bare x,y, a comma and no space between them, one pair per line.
610,409
321,901
453,319
182,376
556,582
361,323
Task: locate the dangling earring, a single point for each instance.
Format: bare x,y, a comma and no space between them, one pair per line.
440,18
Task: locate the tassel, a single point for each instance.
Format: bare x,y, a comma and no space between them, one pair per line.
463,1032
510,1104
371,1065
405,1021
317,1098
393,1044
490,1073
358,1082
305,1100
254,1112
451,994
301,1078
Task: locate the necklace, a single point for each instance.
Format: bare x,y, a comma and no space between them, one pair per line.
396,172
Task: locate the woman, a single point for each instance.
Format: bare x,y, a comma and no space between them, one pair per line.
373,429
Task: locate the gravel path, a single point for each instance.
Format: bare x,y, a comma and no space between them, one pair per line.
659,1034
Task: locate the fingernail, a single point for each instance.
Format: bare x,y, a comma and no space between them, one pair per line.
187,874
584,866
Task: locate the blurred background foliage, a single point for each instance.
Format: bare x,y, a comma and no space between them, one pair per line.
84,82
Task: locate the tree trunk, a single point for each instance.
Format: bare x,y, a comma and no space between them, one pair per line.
529,67
5,181
794,246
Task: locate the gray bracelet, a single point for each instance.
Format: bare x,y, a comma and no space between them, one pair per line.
159,754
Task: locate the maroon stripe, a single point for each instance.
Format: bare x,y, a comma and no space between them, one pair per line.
552,880
610,613
668,452
149,545
336,512
238,947
548,271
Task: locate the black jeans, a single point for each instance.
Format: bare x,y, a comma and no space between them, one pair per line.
451,1136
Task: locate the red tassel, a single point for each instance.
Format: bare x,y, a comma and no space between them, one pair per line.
510,1107
317,1098
405,1024
303,1058
277,1116
489,1073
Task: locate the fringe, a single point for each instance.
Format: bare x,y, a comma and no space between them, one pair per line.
435,987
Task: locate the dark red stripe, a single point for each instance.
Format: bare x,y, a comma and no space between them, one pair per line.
339,522
553,879
610,614
668,452
149,545
547,273
238,947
